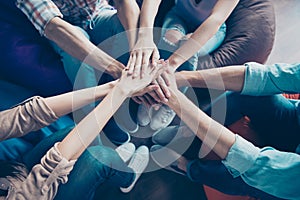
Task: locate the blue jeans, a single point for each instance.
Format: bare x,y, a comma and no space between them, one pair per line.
214,174
97,165
109,34
173,21
274,118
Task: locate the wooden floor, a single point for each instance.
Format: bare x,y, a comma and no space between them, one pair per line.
287,40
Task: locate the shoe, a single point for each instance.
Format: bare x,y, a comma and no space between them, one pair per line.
115,134
172,134
166,158
138,164
162,118
144,115
126,151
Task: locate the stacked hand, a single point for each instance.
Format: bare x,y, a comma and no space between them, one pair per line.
140,85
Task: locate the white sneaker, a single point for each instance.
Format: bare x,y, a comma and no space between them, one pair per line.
144,115
138,163
126,151
162,118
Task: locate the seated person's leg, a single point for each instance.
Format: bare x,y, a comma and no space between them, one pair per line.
109,34
94,166
273,117
173,30
80,74
97,165
214,174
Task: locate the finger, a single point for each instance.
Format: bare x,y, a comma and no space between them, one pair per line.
138,65
166,78
159,92
131,63
145,101
148,89
163,86
145,64
150,100
154,95
155,57
137,100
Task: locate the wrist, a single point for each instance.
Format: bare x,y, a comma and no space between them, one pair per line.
175,61
121,90
145,32
173,99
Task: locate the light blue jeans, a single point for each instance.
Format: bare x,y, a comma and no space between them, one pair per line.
173,21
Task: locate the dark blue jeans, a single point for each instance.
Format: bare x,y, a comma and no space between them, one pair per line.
274,118
214,174
97,165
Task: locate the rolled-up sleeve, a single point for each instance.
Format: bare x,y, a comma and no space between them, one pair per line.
44,179
267,169
39,12
271,79
30,115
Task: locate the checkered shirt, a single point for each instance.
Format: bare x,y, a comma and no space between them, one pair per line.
76,12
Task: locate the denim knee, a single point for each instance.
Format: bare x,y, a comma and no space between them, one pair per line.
110,166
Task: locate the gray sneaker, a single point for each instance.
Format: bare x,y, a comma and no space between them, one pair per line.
144,115
162,118
138,164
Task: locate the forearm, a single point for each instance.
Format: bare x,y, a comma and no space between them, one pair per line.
204,32
224,78
68,102
86,131
74,42
148,13
197,40
147,16
213,134
128,13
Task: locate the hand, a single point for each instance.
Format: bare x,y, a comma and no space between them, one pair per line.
131,85
115,69
144,50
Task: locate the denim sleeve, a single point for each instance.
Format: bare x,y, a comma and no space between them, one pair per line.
271,79
39,12
267,169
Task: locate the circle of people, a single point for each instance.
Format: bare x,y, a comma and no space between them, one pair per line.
56,167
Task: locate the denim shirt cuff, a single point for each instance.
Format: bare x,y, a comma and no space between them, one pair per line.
255,79
241,156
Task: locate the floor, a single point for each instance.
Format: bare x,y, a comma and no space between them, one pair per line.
287,40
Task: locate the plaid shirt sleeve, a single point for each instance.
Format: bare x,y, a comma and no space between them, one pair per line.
39,12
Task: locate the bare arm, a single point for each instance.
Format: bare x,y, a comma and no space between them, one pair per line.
72,40
85,132
204,32
128,13
213,134
145,48
224,78
68,102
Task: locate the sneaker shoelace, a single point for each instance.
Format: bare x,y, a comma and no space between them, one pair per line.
166,114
